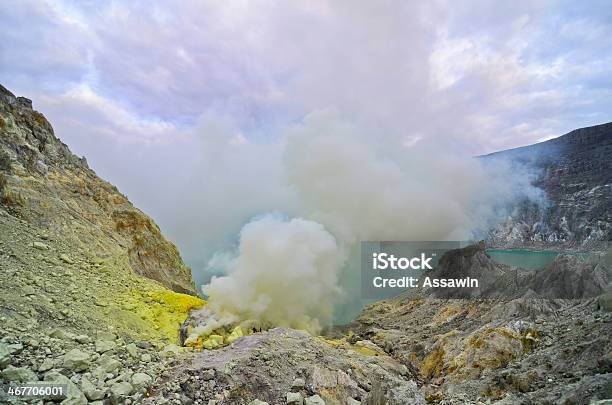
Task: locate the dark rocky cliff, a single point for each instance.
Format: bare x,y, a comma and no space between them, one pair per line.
575,171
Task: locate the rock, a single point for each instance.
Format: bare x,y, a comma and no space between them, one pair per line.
40,246
18,374
324,379
74,395
64,257
208,374
132,350
60,334
352,401
605,301
254,402
298,384
76,360
82,339
90,390
121,389
141,380
170,350
108,364
314,400
141,344
394,392
28,290
103,346
15,348
146,358
295,398
5,355
46,365
33,343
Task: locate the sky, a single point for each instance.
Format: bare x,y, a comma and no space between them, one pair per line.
186,105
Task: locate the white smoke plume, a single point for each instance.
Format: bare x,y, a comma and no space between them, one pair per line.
365,189
350,186
285,274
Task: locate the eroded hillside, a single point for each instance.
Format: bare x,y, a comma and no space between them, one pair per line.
90,289
575,172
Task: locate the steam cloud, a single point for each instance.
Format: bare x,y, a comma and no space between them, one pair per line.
284,275
350,186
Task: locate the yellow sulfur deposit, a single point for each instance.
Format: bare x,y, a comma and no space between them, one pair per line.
236,333
218,338
160,312
358,347
213,342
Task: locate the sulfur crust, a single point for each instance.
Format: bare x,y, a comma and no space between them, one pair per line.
162,310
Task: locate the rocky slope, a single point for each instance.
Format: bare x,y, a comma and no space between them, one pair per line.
528,337
575,171
284,366
43,183
91,293
516,348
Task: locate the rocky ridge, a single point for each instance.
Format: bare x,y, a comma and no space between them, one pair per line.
92,295
522,346
575,172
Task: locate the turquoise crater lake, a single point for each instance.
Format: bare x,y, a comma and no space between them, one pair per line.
527,259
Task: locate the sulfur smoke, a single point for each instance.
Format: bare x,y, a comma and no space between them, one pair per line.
285,274
350,186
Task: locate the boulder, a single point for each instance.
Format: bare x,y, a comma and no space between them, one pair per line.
132,350
90,390
314,400
298,384
76,360
121,389
103,346
5,355
170,350
295,398
108,364
74,395
18,374
46,365
40,246
208,375
141,380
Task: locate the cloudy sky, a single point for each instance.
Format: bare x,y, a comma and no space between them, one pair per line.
162,96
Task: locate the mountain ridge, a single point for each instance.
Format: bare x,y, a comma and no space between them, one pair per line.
575,172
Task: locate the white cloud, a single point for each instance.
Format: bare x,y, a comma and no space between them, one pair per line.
82,104
167,97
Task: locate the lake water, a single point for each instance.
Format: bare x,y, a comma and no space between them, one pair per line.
527,259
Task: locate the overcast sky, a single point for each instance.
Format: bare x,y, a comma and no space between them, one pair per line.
152,91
